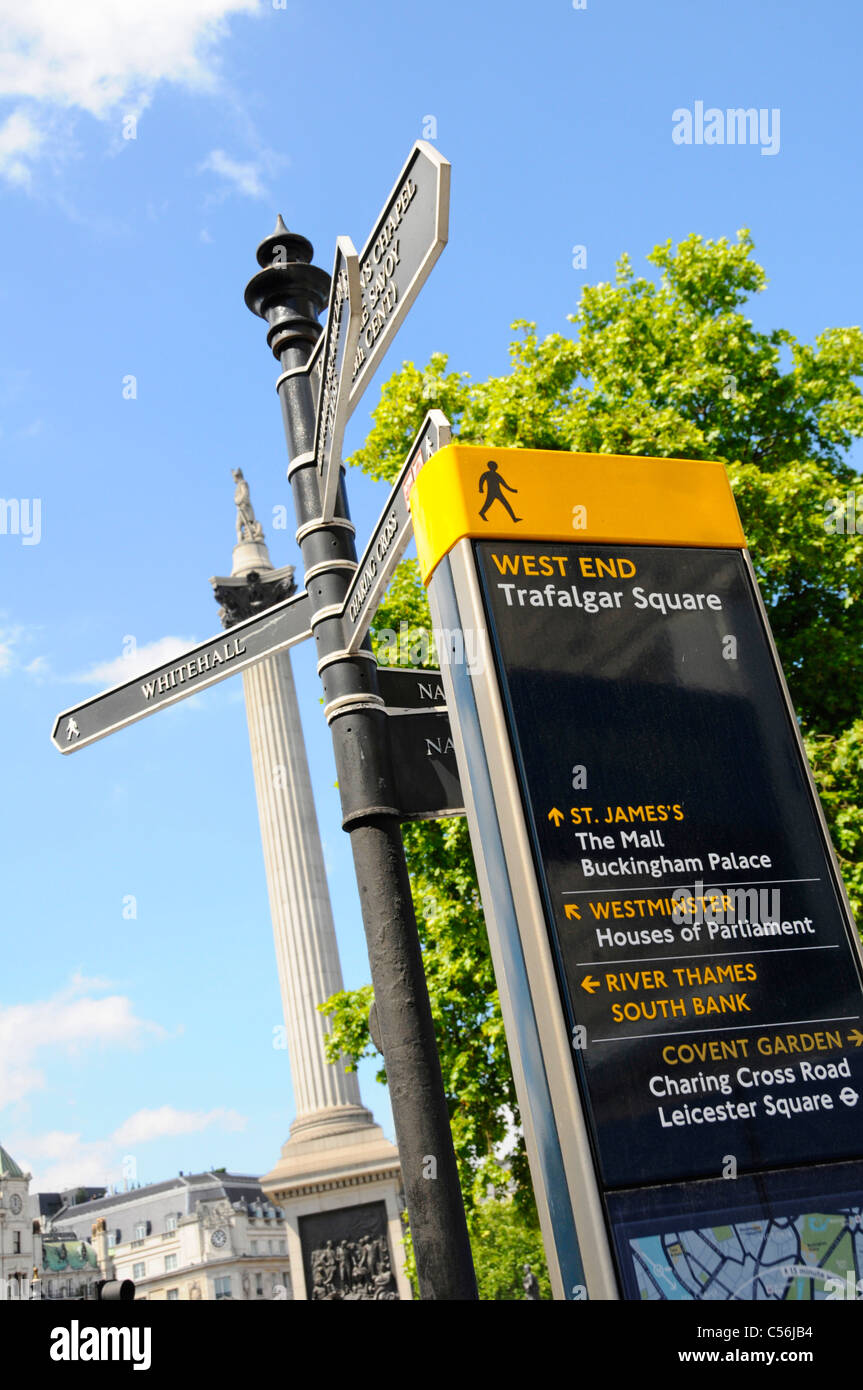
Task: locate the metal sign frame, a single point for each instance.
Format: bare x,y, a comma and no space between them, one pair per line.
577,1233
556,1134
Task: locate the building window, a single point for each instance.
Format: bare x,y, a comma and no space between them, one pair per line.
139,1270
171,1223
254,1246
16,1242
173,1295
141,1230
283,1249
223,1286
170,1262
259,1285
112,1239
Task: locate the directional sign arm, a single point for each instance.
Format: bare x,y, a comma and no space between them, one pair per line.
412,687
390,537
269,632
337,356
424,764
398,257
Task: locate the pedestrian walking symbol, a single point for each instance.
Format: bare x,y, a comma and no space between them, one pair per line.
491,483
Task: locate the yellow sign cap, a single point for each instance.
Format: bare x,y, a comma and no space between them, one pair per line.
546,495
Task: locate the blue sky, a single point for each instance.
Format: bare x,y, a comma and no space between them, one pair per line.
152,1036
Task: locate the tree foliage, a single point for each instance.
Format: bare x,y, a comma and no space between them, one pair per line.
837,764
667,365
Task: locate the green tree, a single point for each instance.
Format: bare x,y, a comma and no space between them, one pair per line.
837,764
668,366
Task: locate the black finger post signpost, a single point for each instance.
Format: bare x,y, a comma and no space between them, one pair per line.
394,756
369,295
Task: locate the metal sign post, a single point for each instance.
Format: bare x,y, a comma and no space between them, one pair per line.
678,968
403,247
337,354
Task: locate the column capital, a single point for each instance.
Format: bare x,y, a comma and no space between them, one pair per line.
242,596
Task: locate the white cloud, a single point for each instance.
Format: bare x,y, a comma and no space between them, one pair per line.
99,54
69,1021
146,1125
83,1015
12,640
20,140
79,983
123,668
103,57
245,178
59,1158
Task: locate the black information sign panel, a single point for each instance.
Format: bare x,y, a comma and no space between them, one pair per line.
703,945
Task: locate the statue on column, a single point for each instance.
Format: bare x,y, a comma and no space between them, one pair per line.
250,590
248,529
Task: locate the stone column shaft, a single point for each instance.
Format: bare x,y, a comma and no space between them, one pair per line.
305,937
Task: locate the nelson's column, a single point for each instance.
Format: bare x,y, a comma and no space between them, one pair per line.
338,1178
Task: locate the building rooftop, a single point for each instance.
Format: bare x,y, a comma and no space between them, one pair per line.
8,1167
196,1187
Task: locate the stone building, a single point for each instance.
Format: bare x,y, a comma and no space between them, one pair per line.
205,1236
20,1244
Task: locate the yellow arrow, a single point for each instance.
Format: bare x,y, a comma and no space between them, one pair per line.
555,815
571,910
590,984
855,1036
